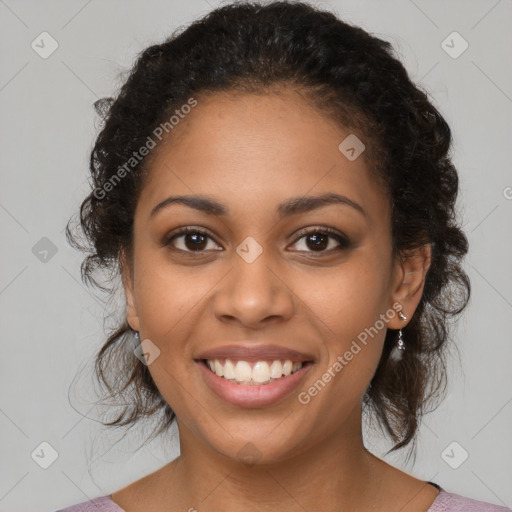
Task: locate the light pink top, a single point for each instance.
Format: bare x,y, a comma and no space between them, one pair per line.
445,502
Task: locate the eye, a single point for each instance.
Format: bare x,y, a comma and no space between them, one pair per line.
318,239
194,239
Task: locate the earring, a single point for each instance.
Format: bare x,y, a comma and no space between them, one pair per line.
400,344
398,350
137,336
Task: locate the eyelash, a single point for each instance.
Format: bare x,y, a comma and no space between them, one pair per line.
344,242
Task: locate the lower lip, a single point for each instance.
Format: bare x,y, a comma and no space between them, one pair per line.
253,396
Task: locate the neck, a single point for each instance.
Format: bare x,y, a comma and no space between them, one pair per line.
336,473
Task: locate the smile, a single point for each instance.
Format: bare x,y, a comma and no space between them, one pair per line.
253,373
247,392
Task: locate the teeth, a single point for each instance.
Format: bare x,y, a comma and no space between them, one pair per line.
296,366
276,369
219,370
259,373
242,371
229,370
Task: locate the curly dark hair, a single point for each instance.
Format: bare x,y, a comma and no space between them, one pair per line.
351,76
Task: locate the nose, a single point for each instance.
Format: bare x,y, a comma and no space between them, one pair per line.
254,294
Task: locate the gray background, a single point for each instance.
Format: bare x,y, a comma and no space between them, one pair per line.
52,325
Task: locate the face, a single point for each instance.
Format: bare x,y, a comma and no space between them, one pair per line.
259,273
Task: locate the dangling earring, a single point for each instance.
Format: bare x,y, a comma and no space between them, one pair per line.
137,336
398,350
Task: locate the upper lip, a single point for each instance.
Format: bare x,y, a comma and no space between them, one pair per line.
254,353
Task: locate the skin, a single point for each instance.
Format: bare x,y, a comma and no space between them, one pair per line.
250,153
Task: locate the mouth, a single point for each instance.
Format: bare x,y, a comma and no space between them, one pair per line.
253,373
251,384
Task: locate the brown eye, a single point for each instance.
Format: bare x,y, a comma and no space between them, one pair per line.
194,240
319,240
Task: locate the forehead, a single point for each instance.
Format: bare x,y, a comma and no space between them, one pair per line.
250,149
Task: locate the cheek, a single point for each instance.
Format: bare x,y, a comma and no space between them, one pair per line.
347,305
349,297
169,303
167,294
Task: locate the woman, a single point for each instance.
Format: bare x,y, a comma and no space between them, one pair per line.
278,199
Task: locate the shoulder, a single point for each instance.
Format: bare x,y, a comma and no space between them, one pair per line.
451,502
101,504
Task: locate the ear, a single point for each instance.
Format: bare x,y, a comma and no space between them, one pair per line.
127,277
408,283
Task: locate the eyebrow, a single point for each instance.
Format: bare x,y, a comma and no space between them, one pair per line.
293,206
